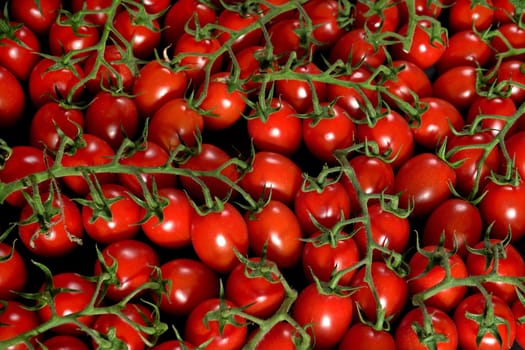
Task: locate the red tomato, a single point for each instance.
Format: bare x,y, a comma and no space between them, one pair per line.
328,316
43,129
191,281
215,236
411,332
282,336
155,85
275,230
132,28
463,15
36,15
68,35
515,146
472,336
175,123
465,48
392,135
54,236
234,21
124,216
255,288
332,132
424,182
428,268
387,230
149,155
354,48
222,107
504,11
363,336
48,85
92,151
135,266
286,37
12,99
17,319
503,207
64,342
229,334
98,17
485,106
509,38
124,330
17,50
20,162
119,120
323,258
392,291
512,74
458,220
457,85
325,205
422,7
253,61
77,295
409,79
280,131
210,158
275,172
173,231
325,19
13,272
518,309
426,46
377,16
482,261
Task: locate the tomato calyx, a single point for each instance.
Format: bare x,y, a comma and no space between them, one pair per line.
492,251
426,333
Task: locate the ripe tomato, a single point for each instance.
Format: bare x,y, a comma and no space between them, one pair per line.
422,7
511,73
173,345
144,38
280,131
76,295
229,334
286,37
428,270
119,120
67,35
363,336
509,263
515,146
191,281
411,332
54,236
215,236
124,212
463,15
465,48
392,291
424,182
17,319
13,272
173,231
485,106
282,336
457,85
261,293
98,17
275,230
327,315
124,330
52,115
17,50
64,342
325,205
325,19
275,172
36,15
136,262
231,20
409,79
12,99
93,151
354,48
471,315
518,309
377,16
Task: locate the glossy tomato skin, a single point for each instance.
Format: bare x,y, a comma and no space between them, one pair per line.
136,262
329,315
273,171
125,214
325,21
363,336
462,15
36,15
64,342
281,336
515,146
144,39
77,296
65,37
501,106
458,220
518,309
17,320
60,236
457,85
97,18
354,48
17,52
406,335
423,182
286,38
174,230
215,235
512,70
409,79
464,48
198,330
173,345
510,263
43,132
275,229
13,272
468,329
232,20
12,99
426,272
192,282
261,296
385,17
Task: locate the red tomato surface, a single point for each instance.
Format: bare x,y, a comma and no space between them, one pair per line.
13,272
363,336
12,99
17,319
17,51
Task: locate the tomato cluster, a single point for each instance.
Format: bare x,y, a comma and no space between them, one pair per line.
223,174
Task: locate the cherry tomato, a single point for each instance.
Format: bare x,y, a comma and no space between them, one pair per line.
327,27
136,262
457,85
17,319
232,20
463,15
518,309
363,336
422,7
409,79
12,99
173,345
377,16
511,72
286,37
465,48
17,50
98,17
66,35
143,38
515,147
281,336
36,15
64,342
486,106
354,48
13,272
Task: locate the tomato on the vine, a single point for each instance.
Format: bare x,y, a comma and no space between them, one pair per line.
67,34
18,45
38,16
13,272
364,336
17,319
12,99
141,31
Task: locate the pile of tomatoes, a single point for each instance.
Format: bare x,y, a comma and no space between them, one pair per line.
262,174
